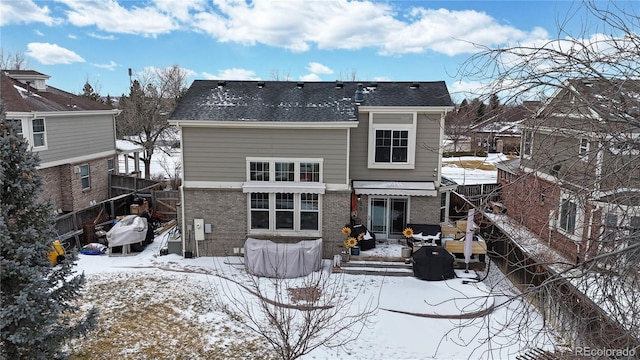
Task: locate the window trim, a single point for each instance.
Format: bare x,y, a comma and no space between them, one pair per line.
412,130
111,166
272,169
578,229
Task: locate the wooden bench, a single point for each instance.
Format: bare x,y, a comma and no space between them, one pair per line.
479,247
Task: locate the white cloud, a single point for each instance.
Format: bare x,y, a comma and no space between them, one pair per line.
101,37
318,68
25,12
51,54
310,77
38,32
381,78
232,74
111,66
110,16
72,36
298,25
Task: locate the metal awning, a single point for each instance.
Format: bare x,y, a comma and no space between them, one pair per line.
283,187
413,188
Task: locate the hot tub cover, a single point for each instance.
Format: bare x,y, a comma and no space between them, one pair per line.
278,260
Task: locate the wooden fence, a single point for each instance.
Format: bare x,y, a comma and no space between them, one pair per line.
79,226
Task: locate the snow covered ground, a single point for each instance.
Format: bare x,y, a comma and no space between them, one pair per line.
184,288
469,176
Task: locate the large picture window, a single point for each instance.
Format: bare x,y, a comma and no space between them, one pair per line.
285,196
284,212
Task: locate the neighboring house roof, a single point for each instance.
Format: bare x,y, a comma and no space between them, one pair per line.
215,100
507,122
17,96
511,166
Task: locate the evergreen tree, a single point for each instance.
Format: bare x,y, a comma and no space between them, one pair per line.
88,92
39,309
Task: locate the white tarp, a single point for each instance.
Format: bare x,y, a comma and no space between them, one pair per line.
131,229
279,260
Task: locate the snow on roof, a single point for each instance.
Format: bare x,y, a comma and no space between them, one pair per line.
126,146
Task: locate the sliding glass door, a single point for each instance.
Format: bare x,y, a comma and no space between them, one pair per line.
388,216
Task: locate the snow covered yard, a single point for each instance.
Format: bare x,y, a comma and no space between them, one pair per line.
162,307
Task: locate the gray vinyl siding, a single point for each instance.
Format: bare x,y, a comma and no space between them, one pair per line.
427,149
219,154
69,137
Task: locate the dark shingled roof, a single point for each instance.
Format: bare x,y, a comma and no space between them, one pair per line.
219,100
17,97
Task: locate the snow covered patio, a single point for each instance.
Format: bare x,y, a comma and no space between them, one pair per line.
163,306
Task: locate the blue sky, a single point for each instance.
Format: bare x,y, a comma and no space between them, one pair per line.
300,40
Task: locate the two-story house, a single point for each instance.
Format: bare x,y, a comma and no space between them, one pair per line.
73,136
577,181
288,161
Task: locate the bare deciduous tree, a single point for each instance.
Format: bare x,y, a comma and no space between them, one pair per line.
154,95
576,189
13,61
296,316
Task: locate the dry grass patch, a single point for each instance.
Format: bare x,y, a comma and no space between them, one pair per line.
470,164
159,316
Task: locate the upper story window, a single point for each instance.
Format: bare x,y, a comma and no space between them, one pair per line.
38,133
85,177
289,170
568,212
583,152
527,143
610,227
392,146
392,140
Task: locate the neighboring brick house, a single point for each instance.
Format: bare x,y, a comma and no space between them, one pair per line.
577,181
288,161
73,136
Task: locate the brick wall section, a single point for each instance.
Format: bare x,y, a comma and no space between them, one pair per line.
52,188
525,202
226,211
424,210
63,187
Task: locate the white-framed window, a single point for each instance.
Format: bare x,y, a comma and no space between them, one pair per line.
284,170
284,213
568,215
583,152
38,133
392,140
285,196
527,143
85,177
634,238
111,168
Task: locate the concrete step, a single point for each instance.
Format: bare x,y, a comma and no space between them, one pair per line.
379,268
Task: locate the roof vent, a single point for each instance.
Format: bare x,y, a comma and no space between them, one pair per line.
339,84
359,94
414,86
300,85
222,84
260,84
